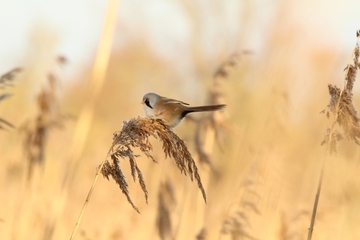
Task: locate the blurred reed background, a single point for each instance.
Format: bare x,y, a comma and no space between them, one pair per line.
264,169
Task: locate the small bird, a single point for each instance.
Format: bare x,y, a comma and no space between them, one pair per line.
171,111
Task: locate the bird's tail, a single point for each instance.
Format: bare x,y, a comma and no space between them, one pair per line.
203,109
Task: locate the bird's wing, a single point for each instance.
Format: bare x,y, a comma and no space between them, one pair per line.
169,100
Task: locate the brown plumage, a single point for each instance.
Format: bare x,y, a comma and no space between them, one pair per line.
171,111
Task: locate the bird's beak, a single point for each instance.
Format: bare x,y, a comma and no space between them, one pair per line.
142,102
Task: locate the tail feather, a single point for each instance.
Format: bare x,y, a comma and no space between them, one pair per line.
203,109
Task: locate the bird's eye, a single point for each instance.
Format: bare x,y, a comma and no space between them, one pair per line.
147,102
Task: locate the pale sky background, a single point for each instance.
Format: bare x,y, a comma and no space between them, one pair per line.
166,24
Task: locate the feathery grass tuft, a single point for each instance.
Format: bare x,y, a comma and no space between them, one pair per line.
341,104
344,113
209,128
135,134
7,80
223,70
36,129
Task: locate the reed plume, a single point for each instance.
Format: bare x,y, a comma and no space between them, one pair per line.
209,128
36,130
342,110
341,106
135,134
7,80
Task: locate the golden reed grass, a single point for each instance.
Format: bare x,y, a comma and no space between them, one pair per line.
7,80
36,130
208,134
342,107
135,134
342,110
98,77
164,204
96,84
209,128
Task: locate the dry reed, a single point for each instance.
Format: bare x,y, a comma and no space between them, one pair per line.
7,80
209,128
341,109
341,106
97,81
36,130
208,132
135,134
